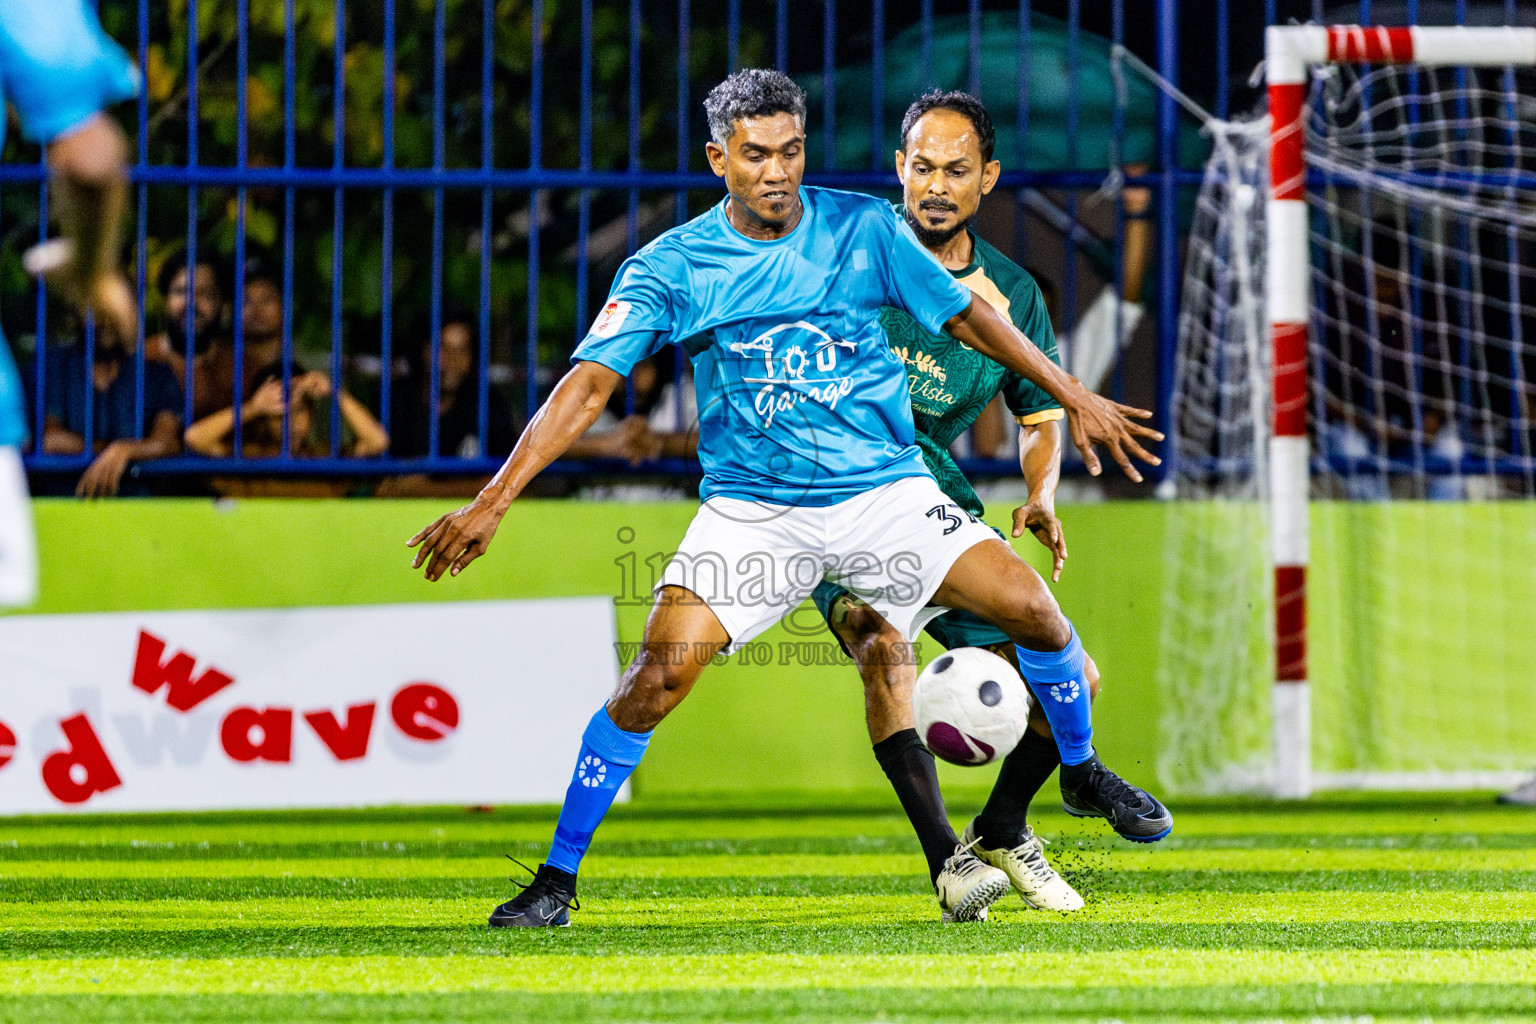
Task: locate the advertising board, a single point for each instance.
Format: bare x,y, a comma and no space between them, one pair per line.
477,702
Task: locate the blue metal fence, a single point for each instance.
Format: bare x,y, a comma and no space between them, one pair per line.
816,40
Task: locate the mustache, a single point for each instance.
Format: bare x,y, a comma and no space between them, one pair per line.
937,204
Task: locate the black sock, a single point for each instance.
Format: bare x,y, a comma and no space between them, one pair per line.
1024,771
910,767
1074,775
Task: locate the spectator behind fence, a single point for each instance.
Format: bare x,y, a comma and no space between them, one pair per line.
633,436
309,417
114,429
458,397
261,326
169,345
458,413
1093,345
613,436
672,416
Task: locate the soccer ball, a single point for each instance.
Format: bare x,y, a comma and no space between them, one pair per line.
971,706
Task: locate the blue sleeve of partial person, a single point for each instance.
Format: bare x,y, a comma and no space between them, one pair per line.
58,67
13,410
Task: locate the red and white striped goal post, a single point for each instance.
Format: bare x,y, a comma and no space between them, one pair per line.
1289,51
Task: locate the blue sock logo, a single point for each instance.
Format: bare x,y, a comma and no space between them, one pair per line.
1071,690
608,757
591,771
1071,716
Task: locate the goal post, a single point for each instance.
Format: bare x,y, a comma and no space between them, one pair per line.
1349,575
1290,53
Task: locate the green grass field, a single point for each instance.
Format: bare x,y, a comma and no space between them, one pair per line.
792,909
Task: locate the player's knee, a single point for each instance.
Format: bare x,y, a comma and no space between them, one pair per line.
864,631
1035,621
640,703
653,685
663,668
92,154
885,660
854,620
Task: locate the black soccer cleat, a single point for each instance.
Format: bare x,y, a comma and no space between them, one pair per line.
1097,792
544,903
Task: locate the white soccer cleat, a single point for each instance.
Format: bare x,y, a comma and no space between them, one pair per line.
967,887
1026,867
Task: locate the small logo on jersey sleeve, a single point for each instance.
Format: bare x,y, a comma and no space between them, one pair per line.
610,319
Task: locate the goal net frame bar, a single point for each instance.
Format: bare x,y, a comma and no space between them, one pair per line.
1289,53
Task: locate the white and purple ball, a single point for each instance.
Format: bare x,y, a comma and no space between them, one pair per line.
971,706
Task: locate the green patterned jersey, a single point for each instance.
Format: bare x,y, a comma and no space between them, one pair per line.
951,383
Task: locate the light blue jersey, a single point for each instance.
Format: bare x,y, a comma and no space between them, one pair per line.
801,399
57,68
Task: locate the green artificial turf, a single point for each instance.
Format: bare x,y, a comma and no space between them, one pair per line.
783,910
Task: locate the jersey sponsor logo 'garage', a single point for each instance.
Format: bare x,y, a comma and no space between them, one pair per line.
796,372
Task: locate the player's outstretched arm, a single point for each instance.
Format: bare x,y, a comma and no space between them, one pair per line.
1040,462
458,538
1092,418
90,188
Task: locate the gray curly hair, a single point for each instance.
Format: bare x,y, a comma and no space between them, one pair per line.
751,92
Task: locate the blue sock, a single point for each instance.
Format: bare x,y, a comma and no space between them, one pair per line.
608,757
1057,680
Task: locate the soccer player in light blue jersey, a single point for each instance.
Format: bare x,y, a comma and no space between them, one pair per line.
58,69
807,443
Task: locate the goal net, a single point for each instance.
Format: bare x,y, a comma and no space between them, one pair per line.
1350,571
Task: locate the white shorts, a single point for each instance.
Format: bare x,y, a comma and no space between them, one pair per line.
18,549
753,563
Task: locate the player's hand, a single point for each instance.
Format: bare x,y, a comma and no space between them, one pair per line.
455,540
105,475
1094,419
1039,518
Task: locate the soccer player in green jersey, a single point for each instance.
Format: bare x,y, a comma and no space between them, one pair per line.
946,166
